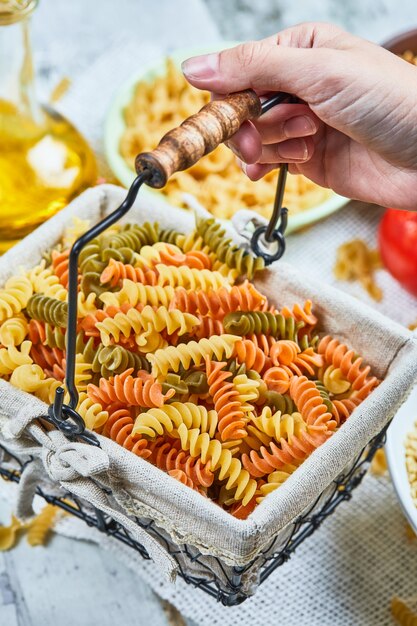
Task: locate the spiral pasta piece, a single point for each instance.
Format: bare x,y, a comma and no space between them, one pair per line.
48,310
117,271
169,320
284,352
148,318
403,614
196,259
278,379
190,278
302,314
207,327
242,512
277,401
334,380
82,376
192,383
39,332
13,356
94,257
169,417
13,331
217,303
213,235
168,457
150,340
134,236
230,469
15,296
45,357
182,477
89,258
247,352
247,389
86,304
248,322
41,525
38,274
351,366
151,255
93,414
89,323
192,241
274,456
170,254
141,391
255,440
279,426
137,293
227,402
119,428
275,480
36,331
310,404
323,391
31,378
45,282
114,359
307,362
341,409
170,235
87,347
60,263
171,358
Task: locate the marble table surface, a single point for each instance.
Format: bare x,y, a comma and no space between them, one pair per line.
72,582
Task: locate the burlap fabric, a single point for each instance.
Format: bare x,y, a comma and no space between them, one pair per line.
138,488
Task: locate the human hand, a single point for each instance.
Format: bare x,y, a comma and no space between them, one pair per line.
355,131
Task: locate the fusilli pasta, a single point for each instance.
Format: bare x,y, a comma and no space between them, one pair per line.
181,360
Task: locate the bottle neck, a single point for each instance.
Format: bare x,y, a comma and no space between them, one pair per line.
17,87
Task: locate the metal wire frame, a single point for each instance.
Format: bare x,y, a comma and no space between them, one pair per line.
229,589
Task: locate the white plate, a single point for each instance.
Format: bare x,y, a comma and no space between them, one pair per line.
401,425
115,126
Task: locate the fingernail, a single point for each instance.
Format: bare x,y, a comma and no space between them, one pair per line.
242,165
299,127
201,67
296,150
234,149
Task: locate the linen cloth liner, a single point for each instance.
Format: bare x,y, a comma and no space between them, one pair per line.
390,349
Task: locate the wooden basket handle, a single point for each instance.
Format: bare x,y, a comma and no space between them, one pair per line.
198,135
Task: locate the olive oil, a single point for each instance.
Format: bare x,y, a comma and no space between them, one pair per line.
42,167
44,161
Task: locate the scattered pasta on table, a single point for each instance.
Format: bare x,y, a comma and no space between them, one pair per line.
37,530
355,261
409,56
379,465
182,360
404,611
411,461
216,180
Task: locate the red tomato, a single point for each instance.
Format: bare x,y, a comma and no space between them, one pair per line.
398,246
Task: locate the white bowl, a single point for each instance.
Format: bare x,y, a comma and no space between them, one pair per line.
401,425
115,126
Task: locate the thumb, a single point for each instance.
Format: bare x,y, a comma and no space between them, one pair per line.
260,65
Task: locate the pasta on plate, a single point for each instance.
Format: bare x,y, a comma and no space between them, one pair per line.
216,180
181,360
